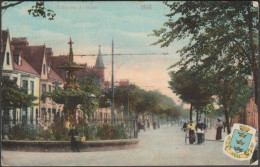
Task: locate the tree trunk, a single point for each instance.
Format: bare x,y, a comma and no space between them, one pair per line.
253,55
258,100
190,112
227,120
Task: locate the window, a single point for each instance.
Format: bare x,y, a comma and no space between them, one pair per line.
105,120
14,116
32,88
44,68
24,115
59,112
44,114
7,58
31,115
19,60
25,85
48,69
6,117
6,77
49,88
49,112
37,116
15,79
101,117
54,113
43,87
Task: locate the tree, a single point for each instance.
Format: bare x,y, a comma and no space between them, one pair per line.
141,102
224,84
215,30
90,86
191,87
37,10
15,97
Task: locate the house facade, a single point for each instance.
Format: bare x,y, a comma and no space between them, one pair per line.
16,68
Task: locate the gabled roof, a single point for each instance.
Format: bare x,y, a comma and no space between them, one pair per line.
4,36
34,55
25,67
56,62
54,75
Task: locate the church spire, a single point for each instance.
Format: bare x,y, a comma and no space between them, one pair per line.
99,61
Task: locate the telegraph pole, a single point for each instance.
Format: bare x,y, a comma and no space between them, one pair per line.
113,93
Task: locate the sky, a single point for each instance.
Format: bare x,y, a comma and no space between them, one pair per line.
91,24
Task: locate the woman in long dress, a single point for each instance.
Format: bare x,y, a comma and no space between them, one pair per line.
218,127
191,128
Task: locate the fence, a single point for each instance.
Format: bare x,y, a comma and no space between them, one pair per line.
126,125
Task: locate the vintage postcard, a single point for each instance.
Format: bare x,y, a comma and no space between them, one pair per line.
129,83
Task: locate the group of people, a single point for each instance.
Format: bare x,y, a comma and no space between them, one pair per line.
200,128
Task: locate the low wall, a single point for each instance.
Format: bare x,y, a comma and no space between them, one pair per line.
64,146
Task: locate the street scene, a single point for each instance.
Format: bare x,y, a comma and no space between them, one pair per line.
100,83
164,146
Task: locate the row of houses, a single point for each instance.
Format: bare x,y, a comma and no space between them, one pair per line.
36,69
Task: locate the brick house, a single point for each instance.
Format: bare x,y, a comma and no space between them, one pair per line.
247,115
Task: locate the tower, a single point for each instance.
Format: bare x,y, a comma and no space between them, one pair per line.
100,65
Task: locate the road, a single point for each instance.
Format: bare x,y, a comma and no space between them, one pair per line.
164,146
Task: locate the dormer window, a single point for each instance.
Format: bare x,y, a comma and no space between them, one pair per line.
48,69
18,59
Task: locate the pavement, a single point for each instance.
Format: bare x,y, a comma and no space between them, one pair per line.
164,146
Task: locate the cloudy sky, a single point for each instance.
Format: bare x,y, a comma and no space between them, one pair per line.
95,23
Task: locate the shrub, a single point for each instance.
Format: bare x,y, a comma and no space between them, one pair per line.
58,130
110,132
24,132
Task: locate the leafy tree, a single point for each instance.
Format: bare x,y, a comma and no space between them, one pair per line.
150,102
224,84
242,93
90,104
15,97
37,10
191,87
215,30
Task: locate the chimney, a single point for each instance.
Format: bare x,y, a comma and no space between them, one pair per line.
19,42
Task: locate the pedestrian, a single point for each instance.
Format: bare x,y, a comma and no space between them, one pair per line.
148,124
138,126
191,128
73,145
184,127
224,125
154,125
200,127
218,127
